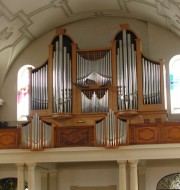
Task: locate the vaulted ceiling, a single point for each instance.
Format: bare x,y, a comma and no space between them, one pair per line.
22,21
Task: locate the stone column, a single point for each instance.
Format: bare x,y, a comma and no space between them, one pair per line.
31,176
122,175
142,178
133,174
20,176
44,180
53,179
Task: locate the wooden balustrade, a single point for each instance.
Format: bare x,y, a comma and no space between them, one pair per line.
85,135
9,138
154,133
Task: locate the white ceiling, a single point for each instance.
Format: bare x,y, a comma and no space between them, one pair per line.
22,21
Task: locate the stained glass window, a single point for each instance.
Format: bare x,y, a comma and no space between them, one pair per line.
169,182
23,93
8,184
174,70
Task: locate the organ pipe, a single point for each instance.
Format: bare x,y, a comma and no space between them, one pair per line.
39,99
36,134
61,76
95,66
151,82
126,71
108,134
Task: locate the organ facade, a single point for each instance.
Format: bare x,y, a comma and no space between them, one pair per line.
105,97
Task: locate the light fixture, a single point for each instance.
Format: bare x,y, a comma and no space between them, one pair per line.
1,102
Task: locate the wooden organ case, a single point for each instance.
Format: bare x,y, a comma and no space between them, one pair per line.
92,97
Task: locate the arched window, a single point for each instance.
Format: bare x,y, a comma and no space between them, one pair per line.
23,93
174,70
8,183
169,182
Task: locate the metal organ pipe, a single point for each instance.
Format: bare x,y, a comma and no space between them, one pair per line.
126,71
47,133
108,134
122,127
94,66
39,88
36,134
62,76
100,133
151,82
26,135
110,129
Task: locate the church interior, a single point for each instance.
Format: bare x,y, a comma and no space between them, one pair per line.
89,95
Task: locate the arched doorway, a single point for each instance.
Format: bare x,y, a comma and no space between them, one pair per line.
169,182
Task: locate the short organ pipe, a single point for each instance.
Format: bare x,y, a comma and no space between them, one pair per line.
151,82
39,93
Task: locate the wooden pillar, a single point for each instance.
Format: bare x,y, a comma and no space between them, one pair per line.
139,74
113,96
50,80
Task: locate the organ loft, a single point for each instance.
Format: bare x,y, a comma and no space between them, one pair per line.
94,97
105,97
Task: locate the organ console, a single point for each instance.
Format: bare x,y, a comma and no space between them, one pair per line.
90,97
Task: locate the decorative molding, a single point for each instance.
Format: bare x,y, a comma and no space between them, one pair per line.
17,26
4,34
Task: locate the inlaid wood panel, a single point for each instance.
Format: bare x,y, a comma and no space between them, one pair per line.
171,133
154,133
74,136
144,134
9,138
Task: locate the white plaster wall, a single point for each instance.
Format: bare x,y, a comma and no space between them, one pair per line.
92,33
154,174
87,174
35,54
8,170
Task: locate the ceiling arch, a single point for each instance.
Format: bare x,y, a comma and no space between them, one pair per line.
24,21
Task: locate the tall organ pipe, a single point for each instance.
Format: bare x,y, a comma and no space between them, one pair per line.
126,71
62,75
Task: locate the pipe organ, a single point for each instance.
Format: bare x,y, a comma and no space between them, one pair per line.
107,89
